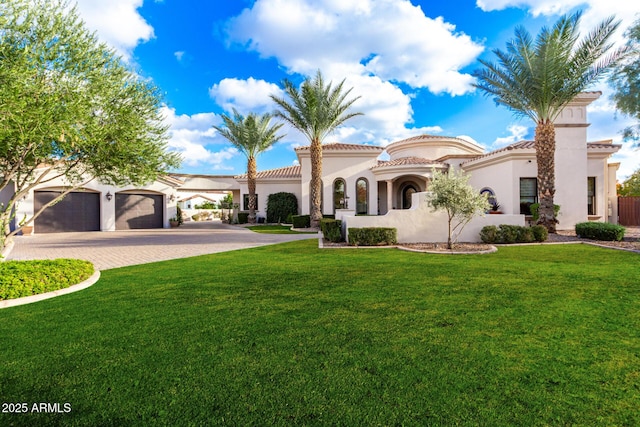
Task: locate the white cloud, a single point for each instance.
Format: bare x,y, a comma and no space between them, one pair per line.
594,11
244,95
179,55
192,135
516,133
117,23
393,39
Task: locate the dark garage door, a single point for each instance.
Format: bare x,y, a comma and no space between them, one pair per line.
77,211
135,211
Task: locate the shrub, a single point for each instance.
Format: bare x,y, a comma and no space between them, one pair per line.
243,217
490,234
513,234
200,216
373,236
280,206
179,215
331,229
525,235
540,233
301,221
508,233
25,278
205,205
600,231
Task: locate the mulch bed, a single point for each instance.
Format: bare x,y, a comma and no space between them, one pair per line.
631,241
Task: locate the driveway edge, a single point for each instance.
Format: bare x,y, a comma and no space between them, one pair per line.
35,298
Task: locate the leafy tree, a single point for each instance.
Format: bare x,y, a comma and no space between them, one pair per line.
316,110
70,108
626,82
539,78
631,187
281,206
451,192
251,135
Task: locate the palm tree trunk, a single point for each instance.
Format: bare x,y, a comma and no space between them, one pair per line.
315,186
251,183
545,140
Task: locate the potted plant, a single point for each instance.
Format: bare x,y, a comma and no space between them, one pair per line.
495,208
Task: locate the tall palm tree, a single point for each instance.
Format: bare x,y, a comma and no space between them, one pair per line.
251,135
316,110
538,79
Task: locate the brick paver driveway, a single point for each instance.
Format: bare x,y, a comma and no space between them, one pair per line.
121,248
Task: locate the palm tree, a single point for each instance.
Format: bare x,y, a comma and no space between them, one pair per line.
251,135
316,110
538,79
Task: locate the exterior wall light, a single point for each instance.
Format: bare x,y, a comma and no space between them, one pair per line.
109,196
172,198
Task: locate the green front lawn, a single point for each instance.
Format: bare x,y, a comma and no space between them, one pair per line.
293,335
277,229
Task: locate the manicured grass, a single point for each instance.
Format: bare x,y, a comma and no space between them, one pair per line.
276,229
293,335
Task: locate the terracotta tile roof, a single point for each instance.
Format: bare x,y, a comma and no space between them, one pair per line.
531,145
339,146
407,161
426,136
279,173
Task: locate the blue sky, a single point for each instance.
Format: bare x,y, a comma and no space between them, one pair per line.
410,62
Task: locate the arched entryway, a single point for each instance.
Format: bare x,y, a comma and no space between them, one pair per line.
406,194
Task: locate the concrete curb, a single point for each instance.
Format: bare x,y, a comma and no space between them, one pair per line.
35,298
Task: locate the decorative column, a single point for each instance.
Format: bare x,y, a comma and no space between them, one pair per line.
389,195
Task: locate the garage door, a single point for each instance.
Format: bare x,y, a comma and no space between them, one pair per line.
134,211
77,211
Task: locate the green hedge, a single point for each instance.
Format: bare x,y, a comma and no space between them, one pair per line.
331,229
281,206
600,231
243,217
301,221
506,234
25,278
373,236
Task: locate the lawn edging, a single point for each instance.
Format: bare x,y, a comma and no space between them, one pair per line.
40,297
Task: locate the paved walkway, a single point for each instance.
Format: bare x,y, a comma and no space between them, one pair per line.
114,249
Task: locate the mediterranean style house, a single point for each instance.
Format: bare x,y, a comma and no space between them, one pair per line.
367,185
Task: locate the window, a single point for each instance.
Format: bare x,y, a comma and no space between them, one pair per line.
245,202
591,195
528,194
362,195
339,201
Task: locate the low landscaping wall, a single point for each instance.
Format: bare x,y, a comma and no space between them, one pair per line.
422,224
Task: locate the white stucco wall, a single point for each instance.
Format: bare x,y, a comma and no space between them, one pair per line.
422,224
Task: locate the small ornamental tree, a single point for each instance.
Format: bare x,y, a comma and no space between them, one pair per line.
451,192
70,108
631,187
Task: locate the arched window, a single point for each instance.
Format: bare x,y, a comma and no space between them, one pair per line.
362,196
339,194
491,197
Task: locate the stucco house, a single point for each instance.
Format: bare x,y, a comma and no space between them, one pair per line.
360,179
